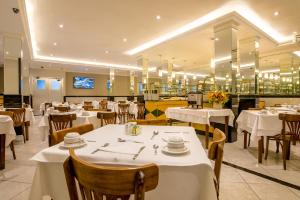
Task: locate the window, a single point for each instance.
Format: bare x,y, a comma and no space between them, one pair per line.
40,84
55,85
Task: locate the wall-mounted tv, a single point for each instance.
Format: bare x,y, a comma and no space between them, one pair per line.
81,82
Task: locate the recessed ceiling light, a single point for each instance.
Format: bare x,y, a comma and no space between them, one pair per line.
51,54
61,26
216,39
276,13
158,17
295,32
106,52
6,52
124,39
54,43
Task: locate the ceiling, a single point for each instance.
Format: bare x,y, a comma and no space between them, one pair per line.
93,31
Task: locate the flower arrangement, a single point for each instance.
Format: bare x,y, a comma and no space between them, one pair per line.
217,97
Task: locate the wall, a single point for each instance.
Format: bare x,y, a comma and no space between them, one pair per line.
11,78
120,86
1,79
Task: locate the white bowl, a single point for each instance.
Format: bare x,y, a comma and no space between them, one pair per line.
175,142
72,137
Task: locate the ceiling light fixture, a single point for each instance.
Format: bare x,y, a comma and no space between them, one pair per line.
6,52
276,13
106,52
55,44
158,17
232,7
124,39
61,26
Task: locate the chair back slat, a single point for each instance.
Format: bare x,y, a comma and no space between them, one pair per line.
62,108
60,122
88,107
112,182
107,117
141,111
123,112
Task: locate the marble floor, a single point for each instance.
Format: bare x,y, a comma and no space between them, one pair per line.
16,179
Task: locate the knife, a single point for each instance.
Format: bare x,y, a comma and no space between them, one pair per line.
138,153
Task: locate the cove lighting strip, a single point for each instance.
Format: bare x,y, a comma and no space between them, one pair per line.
297,53
232,7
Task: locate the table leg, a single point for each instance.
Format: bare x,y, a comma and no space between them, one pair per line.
190,123
245,140
206,135
2,151
260,149
226,128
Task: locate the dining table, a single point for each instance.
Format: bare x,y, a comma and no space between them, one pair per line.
187,176
261,124
114,107
202,116
7,135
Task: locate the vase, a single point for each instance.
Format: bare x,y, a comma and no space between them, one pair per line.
217,105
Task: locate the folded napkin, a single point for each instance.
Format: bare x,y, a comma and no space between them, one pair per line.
123,148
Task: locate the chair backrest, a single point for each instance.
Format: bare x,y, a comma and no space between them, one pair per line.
62,108
141,111
123,108
254,108
261,104
107,117
87,103
121,101
215,151
103,104
19,115
157,122
58,136
60,122
7,113
48,105
292,121
112,182
85,107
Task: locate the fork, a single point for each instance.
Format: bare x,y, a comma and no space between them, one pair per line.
104,145
154,134
155,147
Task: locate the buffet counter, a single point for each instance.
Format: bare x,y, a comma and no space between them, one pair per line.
156,109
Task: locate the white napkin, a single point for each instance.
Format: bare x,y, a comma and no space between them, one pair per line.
123,148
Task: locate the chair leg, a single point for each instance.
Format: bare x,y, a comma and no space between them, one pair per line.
284,153
277,146
27,133
267,148
12,148
24,135
288,153
263,144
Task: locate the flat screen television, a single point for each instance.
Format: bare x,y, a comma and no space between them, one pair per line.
81,82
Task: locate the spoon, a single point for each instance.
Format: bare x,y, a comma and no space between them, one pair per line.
154,134
123,140
155,147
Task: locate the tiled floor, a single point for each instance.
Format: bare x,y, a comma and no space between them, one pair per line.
15,180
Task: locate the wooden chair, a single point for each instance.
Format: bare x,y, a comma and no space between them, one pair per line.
247,135
123,112
122,102
107,117
284,139
11,145
58,136
141,111
59,122
62,108
215,153
112,182
153,122
88,108
103,104
87,103
19,120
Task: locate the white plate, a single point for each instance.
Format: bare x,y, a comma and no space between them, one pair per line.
167,150
75,145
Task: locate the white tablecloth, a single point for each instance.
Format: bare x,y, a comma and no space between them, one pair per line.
200,116
188,177
259,124
29,116
90,119
7,127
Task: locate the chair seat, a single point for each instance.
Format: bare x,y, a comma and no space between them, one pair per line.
280,137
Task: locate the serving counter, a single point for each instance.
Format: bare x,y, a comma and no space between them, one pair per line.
156,109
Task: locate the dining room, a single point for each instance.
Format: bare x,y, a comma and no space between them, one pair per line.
154,100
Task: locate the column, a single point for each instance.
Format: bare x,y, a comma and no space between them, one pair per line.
225,58
249,65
